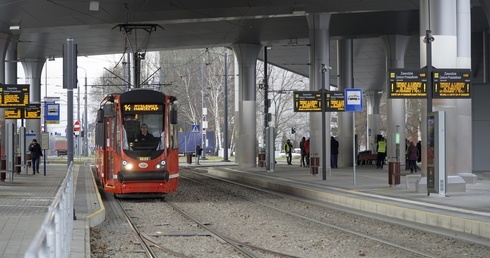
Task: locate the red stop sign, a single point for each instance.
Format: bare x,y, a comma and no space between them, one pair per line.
76,126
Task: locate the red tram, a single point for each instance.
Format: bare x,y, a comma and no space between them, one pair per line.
128,162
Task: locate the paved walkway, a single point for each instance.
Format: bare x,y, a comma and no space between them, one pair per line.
25,201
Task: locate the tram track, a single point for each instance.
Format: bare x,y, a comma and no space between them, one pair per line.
330,225
229,219
414,245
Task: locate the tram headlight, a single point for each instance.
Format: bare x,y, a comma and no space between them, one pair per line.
161,165
126,165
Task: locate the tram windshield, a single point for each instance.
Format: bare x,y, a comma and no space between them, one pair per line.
143,133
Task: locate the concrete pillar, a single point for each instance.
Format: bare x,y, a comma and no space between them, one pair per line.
246,151
396,46
486,44
33,70
450,49
373,99
319,33
5,40
345,80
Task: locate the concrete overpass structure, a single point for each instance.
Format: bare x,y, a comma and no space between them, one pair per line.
364,39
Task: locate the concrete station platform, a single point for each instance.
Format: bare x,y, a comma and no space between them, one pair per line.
24,203
467,212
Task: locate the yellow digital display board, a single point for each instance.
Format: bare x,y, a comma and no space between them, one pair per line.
13,113
452,83
407,83
32,111
142,108
14,95
335,101
311,101
307,101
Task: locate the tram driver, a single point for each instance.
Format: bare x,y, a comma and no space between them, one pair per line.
144,135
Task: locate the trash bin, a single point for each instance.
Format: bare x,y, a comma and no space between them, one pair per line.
17,165
189,158
3,176
394,173
28,157
261,160
314,164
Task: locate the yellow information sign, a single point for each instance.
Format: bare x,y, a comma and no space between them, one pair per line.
32,111
407,83
452,83
14,95
311,101
13,113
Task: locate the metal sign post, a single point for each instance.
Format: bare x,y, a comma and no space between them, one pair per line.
44,146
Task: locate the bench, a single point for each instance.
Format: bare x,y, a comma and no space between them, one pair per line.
367,158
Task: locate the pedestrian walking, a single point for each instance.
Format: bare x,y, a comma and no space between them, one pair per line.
288,149
307,150
303,152
413,155
380,158
198,154
419,147
36,154
334,152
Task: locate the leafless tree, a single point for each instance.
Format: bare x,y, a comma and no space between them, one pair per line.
282,84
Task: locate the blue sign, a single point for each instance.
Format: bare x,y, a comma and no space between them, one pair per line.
195,129
52,111
353,100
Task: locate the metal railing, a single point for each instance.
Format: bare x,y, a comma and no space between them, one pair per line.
54,237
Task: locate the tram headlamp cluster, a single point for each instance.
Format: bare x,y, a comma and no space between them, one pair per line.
126,165
161,165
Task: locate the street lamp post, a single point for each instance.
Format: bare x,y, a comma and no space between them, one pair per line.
204,112
85,122
84,125
225,127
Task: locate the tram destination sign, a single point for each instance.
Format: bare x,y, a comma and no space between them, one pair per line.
407,83
452,83
14,95
311,101
142,108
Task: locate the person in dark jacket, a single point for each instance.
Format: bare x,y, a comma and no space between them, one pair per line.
413,155
36,154
198,154
334,152
144,135
302,163
419,147
288,149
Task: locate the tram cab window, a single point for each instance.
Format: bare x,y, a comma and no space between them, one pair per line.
143,131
